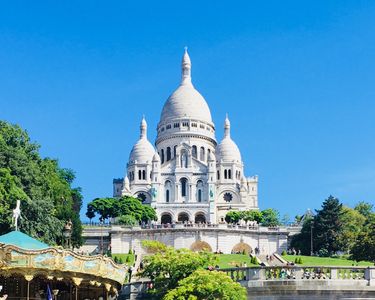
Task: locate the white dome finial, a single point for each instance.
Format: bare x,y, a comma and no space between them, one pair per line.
186,68
143,128
226,126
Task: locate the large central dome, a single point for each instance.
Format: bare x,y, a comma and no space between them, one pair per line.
186,101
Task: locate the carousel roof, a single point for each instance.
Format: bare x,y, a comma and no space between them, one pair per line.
22,240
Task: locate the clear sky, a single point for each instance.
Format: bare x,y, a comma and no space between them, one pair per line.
297,79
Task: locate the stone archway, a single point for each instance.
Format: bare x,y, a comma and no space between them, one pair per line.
242,248
200,246
166,218
183,217
200,218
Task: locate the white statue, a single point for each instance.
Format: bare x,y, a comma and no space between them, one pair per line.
16,214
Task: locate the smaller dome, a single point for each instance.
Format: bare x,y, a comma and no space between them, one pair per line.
227,150
142,151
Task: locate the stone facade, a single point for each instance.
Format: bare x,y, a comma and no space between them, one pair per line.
219,238
189,177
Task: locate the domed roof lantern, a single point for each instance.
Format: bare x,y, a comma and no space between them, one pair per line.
143,128
226,126
142,151
227,150
186,68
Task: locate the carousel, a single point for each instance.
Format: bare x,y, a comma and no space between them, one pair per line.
30,269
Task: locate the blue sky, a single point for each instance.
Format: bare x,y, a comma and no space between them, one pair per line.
297,79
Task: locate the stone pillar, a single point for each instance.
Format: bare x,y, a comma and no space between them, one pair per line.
370,276
334,274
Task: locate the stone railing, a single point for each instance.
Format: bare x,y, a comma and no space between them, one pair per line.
222,226
303,273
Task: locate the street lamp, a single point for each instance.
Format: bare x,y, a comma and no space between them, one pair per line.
311,238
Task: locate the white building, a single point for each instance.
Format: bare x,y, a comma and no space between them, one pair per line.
189,176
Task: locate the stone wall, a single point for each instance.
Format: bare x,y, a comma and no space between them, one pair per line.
222,238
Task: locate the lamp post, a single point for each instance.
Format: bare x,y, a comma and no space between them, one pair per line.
311,238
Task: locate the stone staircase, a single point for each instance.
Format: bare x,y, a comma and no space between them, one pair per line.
273,260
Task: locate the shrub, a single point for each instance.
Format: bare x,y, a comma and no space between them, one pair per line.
300,261
130,251
127,259
283,253
296,260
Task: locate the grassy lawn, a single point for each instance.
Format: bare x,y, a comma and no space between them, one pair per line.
326,261
233,260
123,257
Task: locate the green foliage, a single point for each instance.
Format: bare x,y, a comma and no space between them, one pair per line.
152,246
251,215
44,187
365,209
118,207
167,268
203,284
233,217
254,260
352,223
127,220
302,240
270,217
328,226
283,253
364,245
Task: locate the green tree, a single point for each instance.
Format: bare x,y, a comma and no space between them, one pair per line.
328,227
153,246
121,207
207,285
127,220
364,208
41,183
351,225
233,216
270,217
167,268
302,241
364,246
252,215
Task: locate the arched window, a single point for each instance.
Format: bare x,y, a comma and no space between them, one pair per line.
162,156
167,187
184,159
218,174
199,190
139,174
169,153
144,175
183,182
174,151
225,174
194,151
142,197
201,154
229,174
208,153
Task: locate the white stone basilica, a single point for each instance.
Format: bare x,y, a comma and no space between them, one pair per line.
189,177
